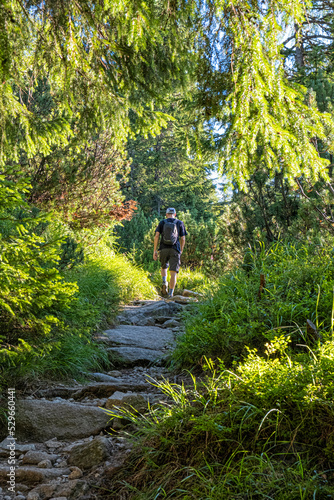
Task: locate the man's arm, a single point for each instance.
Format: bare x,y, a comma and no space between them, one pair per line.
156,242
182,242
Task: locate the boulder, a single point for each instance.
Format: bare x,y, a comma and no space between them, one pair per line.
134,355
145,315
139,344
87,455
127,400
150,337
42,420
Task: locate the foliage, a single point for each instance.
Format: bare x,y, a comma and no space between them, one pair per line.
47,318
264,119
255,431
81,181
298,287
165,171
114,56
105,280
31,285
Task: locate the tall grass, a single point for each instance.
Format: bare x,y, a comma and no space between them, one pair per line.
189,279
298,287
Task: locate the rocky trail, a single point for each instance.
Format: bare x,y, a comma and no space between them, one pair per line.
65,442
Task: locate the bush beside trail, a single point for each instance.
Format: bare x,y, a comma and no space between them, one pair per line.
100,284
298,287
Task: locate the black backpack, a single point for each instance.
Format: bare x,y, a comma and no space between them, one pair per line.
170,232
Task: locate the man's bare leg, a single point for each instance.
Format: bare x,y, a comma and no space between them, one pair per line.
164,290
172,282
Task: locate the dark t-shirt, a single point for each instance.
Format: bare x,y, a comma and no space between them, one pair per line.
181,230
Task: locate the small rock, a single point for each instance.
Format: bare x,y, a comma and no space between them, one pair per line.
21,487
53,443
20,497
87,455
179,299
74,488
171,323
44,464
115,373
19,448
32,495
76,473
102,377
117,424
190,293
136,401
61,464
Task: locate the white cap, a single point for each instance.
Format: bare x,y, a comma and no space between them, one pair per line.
170,211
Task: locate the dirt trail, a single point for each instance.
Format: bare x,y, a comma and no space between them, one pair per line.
65,440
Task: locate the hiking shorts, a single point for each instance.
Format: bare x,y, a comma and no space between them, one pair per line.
170,256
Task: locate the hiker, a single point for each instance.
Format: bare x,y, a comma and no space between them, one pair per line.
173,239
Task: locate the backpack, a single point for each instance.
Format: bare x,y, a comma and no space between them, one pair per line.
170,232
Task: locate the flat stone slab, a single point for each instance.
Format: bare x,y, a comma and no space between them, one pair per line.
145,315
41,420
32,474
144,337
138,354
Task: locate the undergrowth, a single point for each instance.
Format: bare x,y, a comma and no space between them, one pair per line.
104,280
261,431
298,287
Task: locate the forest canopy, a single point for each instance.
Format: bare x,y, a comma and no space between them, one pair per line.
111,65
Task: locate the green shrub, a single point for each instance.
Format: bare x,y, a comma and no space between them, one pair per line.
47,317
31,287
298,287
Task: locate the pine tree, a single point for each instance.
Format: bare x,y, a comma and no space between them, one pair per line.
114,56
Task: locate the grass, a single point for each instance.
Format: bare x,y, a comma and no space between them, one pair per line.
298,287
188,279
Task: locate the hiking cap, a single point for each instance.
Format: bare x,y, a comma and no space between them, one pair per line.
170,211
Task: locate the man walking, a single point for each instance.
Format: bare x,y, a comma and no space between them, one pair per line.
173,238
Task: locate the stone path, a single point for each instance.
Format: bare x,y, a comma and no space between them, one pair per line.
65,439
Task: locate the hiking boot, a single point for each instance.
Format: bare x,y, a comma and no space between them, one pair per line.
164,290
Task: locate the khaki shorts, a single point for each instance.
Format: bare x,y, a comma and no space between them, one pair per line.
170,257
